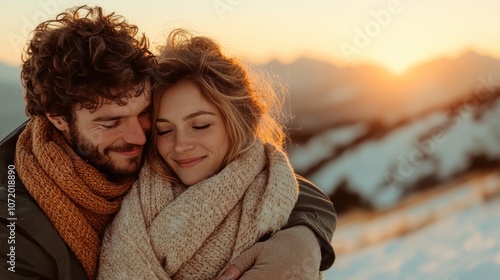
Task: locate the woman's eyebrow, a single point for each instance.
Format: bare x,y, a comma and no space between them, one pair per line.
190,116
198,113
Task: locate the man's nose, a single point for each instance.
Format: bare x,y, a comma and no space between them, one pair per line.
134,133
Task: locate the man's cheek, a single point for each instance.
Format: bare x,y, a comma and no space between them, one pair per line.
97,138
100,143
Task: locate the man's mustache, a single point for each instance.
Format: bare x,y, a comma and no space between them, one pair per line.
121,148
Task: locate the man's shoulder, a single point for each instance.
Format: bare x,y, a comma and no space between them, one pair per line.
16,198
39,247
18,205
42,245
309,189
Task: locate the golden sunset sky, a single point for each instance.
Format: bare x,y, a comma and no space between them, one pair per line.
392,33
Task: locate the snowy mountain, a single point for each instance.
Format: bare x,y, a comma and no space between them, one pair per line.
373,166
452,234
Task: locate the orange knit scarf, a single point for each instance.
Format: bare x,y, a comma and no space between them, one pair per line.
76,198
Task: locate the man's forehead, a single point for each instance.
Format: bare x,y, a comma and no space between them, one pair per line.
140,94
110,108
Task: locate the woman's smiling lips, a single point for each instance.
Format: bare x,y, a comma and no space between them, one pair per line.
189,162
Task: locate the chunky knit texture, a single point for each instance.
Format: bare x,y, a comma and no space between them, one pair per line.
76,197
166,231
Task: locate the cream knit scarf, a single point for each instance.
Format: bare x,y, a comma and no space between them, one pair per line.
166,231
76,198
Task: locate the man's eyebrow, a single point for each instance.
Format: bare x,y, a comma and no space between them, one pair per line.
190,116
117,117
108,118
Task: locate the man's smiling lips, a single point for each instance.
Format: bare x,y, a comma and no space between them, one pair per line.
189,162
133,152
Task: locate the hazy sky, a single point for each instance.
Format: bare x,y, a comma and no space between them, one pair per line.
392,33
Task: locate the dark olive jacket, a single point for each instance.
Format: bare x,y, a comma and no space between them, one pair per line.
31,246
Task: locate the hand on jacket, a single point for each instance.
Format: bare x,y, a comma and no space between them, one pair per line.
293,253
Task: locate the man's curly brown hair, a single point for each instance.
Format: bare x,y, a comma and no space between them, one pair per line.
82,58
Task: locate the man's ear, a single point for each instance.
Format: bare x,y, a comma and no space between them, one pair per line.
58,122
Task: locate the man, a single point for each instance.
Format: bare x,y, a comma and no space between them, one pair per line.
87,80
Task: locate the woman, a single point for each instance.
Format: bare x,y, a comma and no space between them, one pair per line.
216,180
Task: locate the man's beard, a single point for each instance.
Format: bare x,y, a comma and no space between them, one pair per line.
102,161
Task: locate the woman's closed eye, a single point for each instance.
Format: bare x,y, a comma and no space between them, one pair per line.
163,132
201,127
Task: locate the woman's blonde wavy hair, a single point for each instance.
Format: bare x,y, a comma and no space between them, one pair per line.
251,106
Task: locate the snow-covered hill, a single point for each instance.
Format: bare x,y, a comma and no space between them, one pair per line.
450,235
381,165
